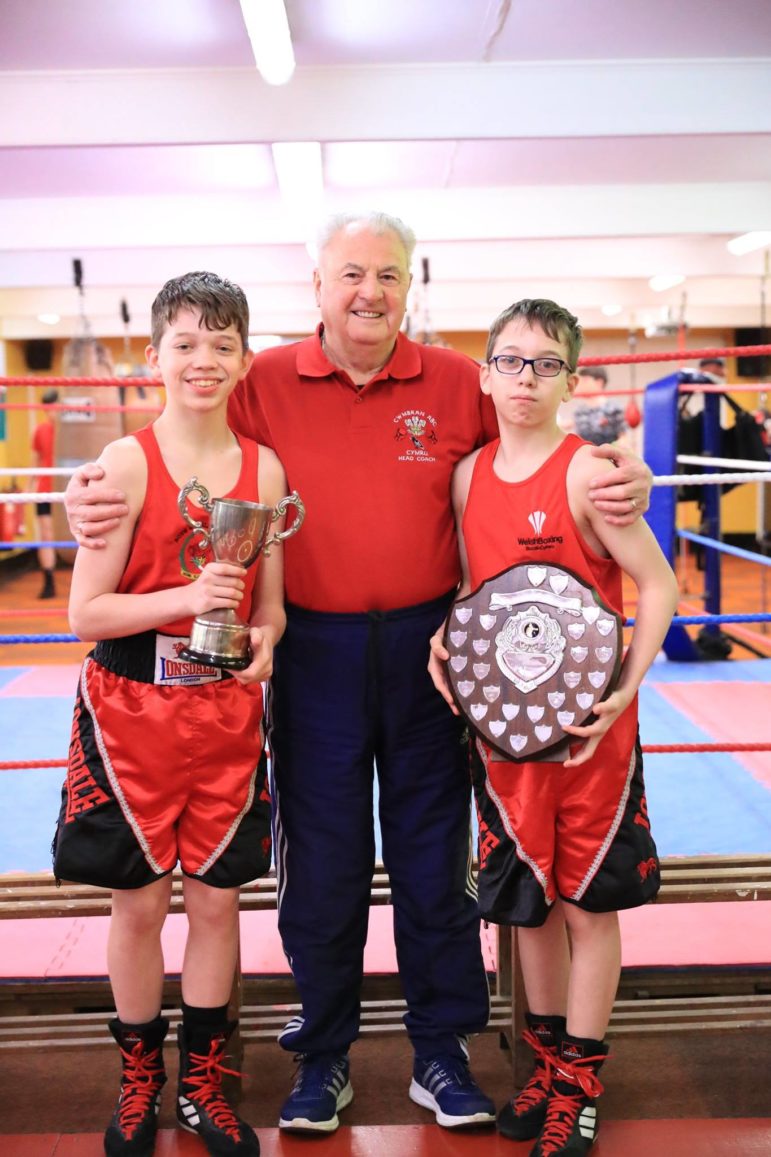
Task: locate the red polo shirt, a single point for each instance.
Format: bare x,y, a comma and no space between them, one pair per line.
372,465
43,438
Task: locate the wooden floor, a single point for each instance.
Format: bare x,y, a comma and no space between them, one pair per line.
22,613
723,1138
745,589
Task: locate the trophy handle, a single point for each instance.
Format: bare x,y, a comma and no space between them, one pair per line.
292,499
206,502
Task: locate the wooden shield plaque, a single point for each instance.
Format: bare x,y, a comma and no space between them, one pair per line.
530,650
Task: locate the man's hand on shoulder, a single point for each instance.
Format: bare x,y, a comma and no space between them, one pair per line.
92,508
624,494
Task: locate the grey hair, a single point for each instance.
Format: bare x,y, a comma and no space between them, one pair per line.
377,222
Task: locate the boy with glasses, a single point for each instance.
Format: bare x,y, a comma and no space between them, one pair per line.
568,843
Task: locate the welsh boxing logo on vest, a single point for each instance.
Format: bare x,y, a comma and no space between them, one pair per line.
537,519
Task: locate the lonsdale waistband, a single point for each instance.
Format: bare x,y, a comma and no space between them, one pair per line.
151,657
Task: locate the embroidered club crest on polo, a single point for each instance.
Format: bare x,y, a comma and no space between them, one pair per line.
552,650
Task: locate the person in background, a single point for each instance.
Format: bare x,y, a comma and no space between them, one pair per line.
594,418
692,403
44,453
714,368
369,426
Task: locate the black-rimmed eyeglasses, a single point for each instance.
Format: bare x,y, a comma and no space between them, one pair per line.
543,367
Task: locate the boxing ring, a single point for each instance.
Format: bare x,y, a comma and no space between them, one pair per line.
709,788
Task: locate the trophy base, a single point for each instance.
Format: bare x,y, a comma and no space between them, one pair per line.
212,659
219,639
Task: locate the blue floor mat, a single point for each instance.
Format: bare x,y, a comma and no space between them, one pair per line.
698,803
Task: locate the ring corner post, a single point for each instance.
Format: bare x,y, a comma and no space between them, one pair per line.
660,453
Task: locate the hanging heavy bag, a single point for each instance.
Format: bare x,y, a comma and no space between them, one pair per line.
743,440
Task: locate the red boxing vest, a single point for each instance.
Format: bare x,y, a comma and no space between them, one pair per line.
506,523
166,552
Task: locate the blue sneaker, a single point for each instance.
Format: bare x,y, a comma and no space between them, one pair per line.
321,1089
445,1085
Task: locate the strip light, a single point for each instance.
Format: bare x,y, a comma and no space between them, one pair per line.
268,28
664,281
746,242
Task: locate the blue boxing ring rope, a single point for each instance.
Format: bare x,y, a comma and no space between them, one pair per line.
660,453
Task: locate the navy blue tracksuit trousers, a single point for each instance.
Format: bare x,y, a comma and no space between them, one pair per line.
351,693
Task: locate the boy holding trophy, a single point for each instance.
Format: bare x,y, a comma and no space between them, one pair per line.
565,840
164,763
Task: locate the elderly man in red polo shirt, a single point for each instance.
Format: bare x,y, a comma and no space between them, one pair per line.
369,426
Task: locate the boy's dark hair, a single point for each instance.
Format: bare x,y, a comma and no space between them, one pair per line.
719,362
599,373
557,322
50,397
220,303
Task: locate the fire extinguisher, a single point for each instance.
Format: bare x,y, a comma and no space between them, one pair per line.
11,517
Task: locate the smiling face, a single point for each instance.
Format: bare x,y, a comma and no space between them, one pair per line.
526,398
198,366
361,286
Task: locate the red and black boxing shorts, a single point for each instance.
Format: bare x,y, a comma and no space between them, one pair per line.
166,765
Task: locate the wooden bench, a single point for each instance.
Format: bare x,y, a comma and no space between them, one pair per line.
706,879
263,1005
685,879
35,895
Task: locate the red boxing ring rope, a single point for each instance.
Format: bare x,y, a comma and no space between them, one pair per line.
28,380
81,408
609,360
677,355
649,748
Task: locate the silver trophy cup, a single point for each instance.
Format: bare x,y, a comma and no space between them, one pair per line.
238,533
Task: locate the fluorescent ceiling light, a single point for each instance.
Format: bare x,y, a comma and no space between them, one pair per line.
664,281
299,172
270,38
748,241
49,318
611,310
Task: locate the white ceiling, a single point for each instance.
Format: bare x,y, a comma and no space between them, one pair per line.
564,148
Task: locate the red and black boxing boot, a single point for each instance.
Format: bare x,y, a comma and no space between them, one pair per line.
570,1127
201,1105
522,1117
134,1124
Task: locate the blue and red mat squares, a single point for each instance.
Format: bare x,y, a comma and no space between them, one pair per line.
715,803
699,803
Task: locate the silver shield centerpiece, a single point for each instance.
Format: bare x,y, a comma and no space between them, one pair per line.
531,651
238,533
